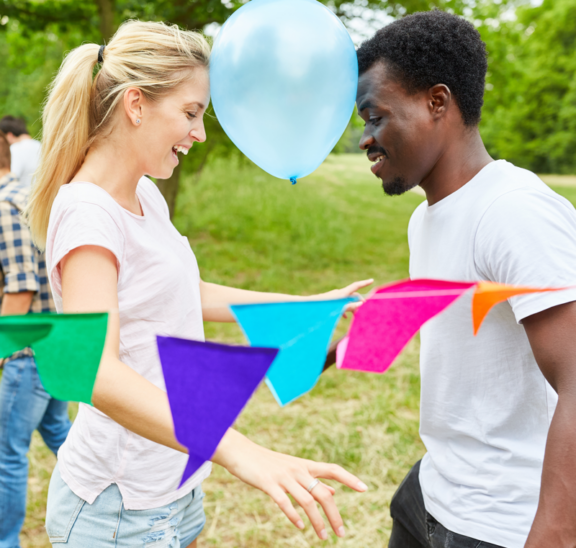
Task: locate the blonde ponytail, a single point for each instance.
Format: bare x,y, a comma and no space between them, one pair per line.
66,130
153,57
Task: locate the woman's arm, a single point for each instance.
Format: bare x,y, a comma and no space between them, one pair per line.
89,284
216,298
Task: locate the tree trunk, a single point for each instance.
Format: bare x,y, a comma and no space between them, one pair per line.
169,189
106,12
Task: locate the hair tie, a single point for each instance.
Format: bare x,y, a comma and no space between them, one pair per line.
101,54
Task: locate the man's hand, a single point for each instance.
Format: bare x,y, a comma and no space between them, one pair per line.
552,336
16,303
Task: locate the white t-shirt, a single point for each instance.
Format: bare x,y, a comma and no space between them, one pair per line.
158,294
25,159
485,405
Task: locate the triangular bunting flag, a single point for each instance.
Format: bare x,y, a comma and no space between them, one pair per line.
208,385
302,330
387,321
489,294
67,349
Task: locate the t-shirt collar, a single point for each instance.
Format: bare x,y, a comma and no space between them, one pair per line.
464,188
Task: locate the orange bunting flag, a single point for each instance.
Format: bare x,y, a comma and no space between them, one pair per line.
489,294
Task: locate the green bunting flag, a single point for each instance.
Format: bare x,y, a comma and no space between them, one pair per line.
67,349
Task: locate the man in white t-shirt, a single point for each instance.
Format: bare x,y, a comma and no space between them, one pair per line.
24,150
498,411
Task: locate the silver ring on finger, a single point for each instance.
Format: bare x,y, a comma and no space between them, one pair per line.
312,485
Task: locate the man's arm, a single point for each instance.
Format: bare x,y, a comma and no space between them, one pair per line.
331,354
18,260
552,336
16,303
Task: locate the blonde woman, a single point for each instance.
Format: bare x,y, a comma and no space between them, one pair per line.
111,246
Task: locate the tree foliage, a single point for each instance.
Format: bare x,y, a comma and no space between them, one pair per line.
530,110
529,115
38,32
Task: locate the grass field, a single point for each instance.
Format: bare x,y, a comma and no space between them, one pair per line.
253,231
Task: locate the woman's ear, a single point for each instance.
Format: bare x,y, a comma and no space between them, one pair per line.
439,99
134,105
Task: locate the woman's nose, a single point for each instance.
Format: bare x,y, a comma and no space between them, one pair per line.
199,133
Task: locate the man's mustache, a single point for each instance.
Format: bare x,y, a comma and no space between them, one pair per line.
375,150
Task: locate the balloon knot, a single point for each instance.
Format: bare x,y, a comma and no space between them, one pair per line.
293,180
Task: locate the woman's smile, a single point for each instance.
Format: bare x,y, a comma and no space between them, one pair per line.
179,148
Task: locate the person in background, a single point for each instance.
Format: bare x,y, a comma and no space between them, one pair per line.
24,404
24,150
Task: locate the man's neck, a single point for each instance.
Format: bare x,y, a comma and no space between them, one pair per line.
23,137
464,158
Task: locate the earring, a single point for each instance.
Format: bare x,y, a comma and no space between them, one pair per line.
138,121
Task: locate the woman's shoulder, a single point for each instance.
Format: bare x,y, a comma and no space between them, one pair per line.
79,192
84,206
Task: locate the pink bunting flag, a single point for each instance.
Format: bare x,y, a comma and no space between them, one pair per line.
387,321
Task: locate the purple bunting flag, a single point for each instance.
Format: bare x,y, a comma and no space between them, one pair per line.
208,385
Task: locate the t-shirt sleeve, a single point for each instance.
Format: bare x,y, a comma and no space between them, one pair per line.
527,237
81,224
18,162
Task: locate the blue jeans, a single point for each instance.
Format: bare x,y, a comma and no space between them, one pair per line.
24,407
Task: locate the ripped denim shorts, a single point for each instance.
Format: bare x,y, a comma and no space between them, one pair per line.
106,523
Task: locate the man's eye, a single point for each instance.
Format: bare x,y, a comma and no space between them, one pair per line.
374,120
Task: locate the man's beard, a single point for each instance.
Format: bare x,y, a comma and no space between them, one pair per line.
397,186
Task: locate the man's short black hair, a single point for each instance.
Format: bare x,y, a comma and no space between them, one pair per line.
429,48
15,126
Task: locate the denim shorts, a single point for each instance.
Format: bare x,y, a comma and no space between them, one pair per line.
70,520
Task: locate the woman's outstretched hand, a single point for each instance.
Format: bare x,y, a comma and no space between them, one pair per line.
279,475
348,291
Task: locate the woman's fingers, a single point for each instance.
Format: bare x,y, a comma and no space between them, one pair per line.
356,286
277,474
335,472
284,503
308,503
352,307
326,500
331,489
350,290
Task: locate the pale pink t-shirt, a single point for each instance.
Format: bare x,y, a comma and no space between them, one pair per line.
158,294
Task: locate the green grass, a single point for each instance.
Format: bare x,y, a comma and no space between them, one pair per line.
253,231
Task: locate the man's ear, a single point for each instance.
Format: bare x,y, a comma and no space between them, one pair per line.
439,100
134,105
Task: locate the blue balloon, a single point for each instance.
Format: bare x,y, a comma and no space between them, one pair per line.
283,80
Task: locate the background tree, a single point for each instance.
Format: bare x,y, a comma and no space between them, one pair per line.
530,104
530,111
